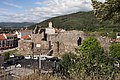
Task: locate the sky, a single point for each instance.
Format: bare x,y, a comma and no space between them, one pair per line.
39,10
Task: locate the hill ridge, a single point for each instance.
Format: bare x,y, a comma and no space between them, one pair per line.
85,21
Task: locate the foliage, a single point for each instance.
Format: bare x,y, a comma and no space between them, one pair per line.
109,10
112,35
92,57
91,46
7,54
115,50
107,33
103,33
85,21
90,62
68,61
16,25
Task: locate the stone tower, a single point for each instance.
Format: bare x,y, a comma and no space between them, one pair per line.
50,25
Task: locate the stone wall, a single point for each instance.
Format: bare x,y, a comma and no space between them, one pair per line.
105,42
66,41
25,47
61,42
38,39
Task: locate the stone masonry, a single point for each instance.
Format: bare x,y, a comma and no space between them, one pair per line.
57,41
25,47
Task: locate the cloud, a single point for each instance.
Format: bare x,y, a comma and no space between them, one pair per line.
39,3
54,8
49,8
2,10
11,4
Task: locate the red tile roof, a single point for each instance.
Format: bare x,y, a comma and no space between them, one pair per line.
2,37
8,35
26,37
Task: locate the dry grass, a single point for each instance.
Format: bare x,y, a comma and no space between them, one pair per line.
50,77
37,76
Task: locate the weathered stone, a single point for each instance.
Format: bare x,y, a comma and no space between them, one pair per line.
25,47
60,42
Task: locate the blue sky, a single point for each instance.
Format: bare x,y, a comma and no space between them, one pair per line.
39,10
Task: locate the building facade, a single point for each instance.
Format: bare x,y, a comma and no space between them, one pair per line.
22,33
8,41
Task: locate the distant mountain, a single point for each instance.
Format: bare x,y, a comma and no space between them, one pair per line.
16,24
85,21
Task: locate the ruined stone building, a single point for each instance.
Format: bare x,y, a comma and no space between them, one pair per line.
25,47
56,40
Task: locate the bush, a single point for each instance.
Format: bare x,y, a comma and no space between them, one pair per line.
90,62
6,55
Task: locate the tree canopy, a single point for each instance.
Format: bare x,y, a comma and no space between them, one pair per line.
92,56
91,45
89,62
109,10
95,60
115,50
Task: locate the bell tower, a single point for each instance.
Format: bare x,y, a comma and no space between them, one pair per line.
50,25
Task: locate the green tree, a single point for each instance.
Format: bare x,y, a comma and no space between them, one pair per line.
115,55
92,55
115,50
93,61
112,35
91,45
109,10
90,62
68,61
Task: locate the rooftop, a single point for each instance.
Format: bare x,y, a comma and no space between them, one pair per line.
26,36
2,37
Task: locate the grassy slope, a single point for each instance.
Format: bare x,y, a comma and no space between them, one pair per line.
85,21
